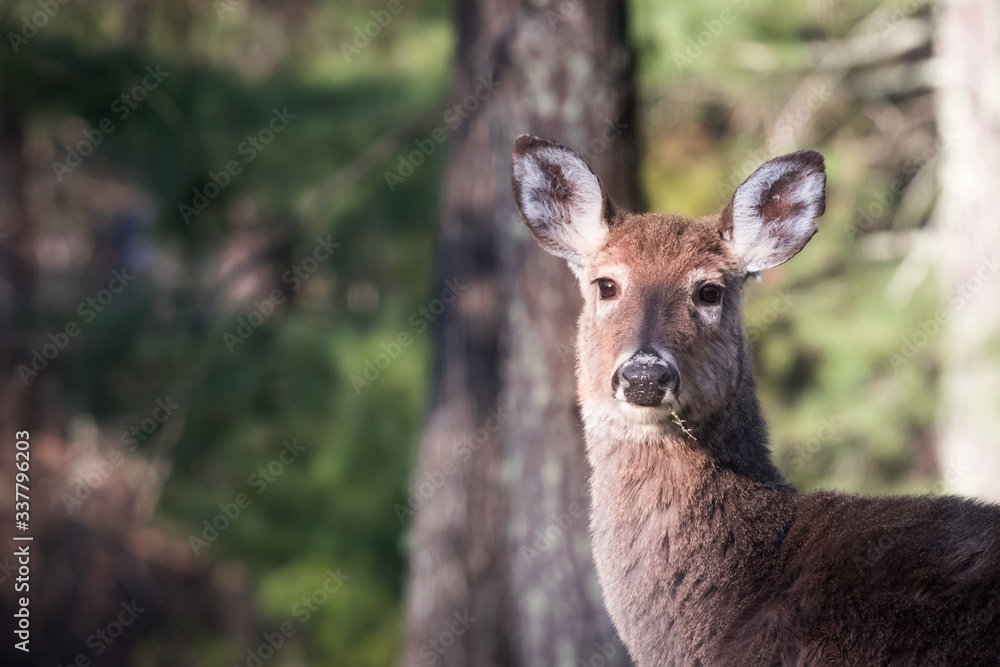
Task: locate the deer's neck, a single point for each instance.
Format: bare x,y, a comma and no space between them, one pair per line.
686,525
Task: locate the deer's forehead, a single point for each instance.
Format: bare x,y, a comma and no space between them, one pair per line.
660,249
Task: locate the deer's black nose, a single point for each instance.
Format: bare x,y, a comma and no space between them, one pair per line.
645,379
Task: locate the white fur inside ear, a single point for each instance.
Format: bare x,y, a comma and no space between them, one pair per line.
762,243
561,199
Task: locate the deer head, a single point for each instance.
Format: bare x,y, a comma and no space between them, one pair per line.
661,328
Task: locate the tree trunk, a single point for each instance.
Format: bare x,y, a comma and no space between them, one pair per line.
968,45
500,532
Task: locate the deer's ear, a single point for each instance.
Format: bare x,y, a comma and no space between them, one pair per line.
560,199
771,216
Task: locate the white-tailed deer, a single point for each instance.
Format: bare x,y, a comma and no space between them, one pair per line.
705,555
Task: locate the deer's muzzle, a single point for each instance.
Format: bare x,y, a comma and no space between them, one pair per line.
645,379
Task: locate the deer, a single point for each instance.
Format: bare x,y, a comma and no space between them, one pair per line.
704,553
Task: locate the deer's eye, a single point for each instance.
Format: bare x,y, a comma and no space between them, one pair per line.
607,288
710,294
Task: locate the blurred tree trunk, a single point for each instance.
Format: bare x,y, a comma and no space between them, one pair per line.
968,45
500,533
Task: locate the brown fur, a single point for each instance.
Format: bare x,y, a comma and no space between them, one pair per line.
705,555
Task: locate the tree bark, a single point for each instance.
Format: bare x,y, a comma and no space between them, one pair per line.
504,538
968,218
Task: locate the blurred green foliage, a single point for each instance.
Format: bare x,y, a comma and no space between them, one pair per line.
842,414
850,403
